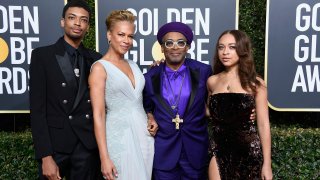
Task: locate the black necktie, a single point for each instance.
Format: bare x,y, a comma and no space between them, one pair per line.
76,65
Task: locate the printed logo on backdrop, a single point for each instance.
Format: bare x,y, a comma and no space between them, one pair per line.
206,18
24,25
293,55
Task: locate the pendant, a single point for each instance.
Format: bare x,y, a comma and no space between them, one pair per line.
173,107
228,88
177,121
76,72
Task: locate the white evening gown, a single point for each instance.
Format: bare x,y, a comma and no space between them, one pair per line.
130,145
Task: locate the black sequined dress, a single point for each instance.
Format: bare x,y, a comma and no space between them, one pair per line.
234,140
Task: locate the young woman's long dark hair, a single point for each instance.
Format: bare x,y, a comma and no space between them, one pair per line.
247,71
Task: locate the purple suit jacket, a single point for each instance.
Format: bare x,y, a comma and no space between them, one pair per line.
192,135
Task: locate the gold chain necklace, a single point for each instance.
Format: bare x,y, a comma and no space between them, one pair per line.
175,102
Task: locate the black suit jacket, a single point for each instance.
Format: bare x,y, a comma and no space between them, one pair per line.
61,113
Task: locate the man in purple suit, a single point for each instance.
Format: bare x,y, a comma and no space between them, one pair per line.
175,95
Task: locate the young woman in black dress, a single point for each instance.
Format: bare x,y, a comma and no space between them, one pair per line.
239,148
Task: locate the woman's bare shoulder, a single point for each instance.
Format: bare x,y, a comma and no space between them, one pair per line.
213,79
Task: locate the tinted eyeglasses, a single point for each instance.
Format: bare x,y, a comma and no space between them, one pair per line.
170,43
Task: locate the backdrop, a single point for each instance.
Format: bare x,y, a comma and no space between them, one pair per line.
293,55
207,18
24,25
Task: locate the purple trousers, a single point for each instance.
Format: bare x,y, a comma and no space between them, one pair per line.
183,171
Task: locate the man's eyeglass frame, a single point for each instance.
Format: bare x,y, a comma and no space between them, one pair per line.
179,44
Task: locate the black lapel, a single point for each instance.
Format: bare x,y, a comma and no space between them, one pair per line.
194,75
66,69
83,82
156,84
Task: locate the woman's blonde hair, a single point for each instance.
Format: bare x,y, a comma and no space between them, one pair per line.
117,16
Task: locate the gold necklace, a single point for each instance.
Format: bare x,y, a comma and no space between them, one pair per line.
174,102
230,82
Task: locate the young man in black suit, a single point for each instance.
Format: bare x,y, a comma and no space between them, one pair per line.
61,114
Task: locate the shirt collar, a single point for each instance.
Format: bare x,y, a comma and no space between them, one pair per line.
70,49
175,73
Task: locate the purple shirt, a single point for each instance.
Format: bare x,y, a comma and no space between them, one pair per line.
175,84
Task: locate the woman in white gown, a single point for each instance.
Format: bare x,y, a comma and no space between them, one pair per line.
120,122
